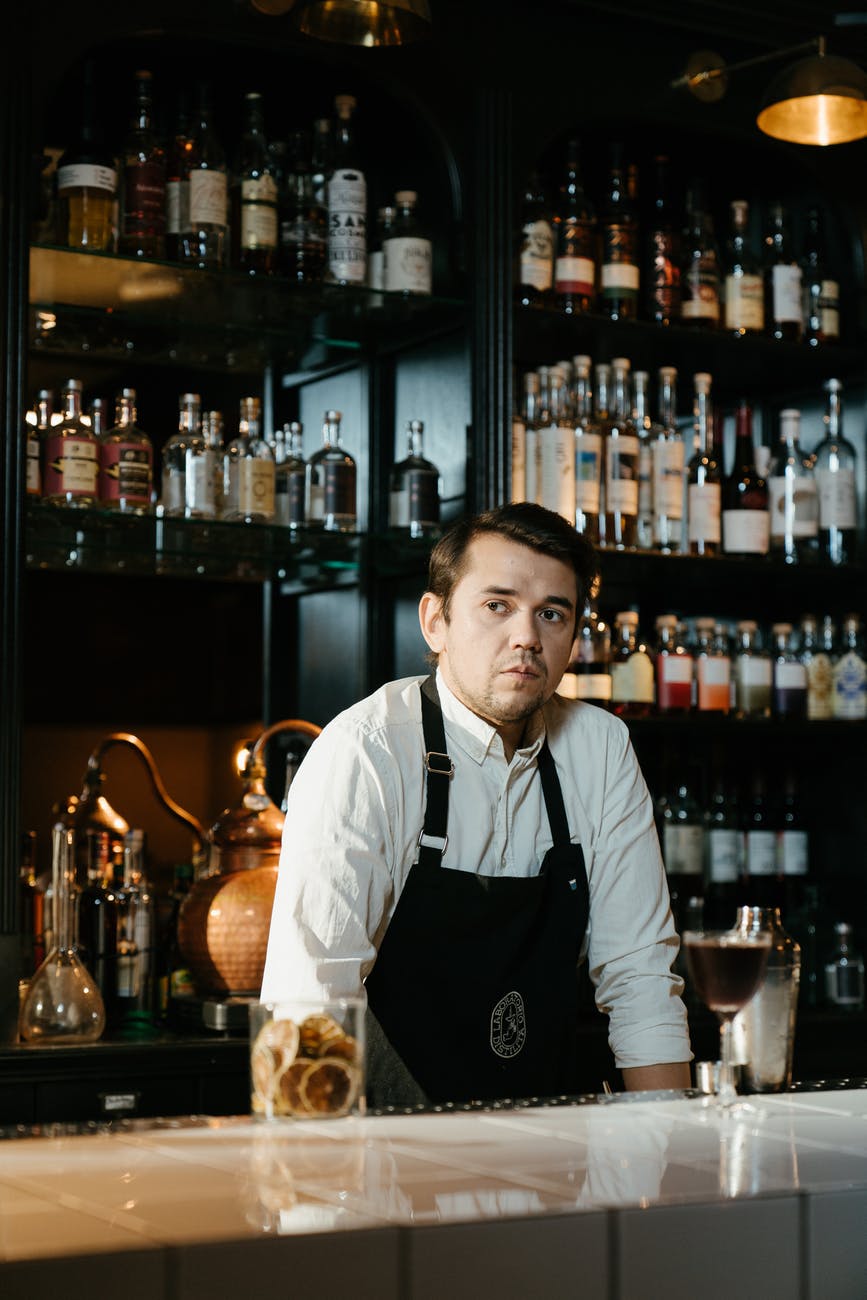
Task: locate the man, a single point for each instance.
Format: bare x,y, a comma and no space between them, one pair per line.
454,847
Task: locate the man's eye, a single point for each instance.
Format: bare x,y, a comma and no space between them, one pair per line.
495,606
552,615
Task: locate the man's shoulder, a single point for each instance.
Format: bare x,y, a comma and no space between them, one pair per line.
392,707
578,718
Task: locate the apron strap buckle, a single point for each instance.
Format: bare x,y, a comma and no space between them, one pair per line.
438,842
439,763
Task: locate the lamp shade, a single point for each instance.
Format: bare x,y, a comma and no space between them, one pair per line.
365,22
819,100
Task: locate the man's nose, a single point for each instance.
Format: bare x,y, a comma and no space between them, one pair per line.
525,630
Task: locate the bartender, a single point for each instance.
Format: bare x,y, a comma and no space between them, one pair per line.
456,845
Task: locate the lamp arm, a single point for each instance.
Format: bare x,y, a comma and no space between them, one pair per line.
708,74
94,765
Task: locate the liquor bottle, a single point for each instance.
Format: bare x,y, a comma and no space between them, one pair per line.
753,672
534,264
588,675
632,690
601,414
178,177
290,479
667,467
762,877
712,667
87,180
347,202
703,492
789,688
783,280
844,972
126,461
674,667
700,282
303,231
556,448
723,841
821,293
205,241
662,288
683,850
620,458
414,488
532,395
331,481
818,655
745,519
173,479
136,944
834,461
620,274
321,155
30,908
574,240
202,461
793,499
588,453
174,978
518,460
407,256
97,915
37,422
253,198
249,470
850,672
71,464
143,188
648,433
212,432
376,255
744,287
793,849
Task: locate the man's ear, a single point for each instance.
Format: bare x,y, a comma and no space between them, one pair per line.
431,621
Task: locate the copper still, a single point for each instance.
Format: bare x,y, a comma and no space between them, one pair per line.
225,918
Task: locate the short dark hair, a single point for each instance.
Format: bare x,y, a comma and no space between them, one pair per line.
523,522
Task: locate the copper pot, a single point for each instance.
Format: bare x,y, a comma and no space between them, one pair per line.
223,929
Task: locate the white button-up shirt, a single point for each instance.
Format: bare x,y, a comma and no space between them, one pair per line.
355,811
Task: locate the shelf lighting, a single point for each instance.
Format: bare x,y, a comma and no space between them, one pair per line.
364,22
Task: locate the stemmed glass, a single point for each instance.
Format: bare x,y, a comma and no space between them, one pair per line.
727,968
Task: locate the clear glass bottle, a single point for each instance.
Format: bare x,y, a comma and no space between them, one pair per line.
667,453
321,159
632,685
712,667
648,433
588,675
588,452
178,176
136,944
744,287
126,459
414,488
331,481
818,655
71,457
793,499
203,466
212,432
555,436
746,522
303,234
753,672
835,463
850,671
783,279
347,201
407,252
574,240
821,291
844,972
534,263
376,255
532,395
789,693
253,199
703,491
205,242
619,271
87,183
674,667
97,918
700,281
249,470
290,481
173,477
620,459
143,187
518,448
662,287
763,1033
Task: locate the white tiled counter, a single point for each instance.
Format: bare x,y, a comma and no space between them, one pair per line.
642,1197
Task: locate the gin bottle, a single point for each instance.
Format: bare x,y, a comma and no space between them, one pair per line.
834,460
126,461
71,465
556,448
414,488
331,479
249,470
203,468
703,495
347,202
588,454
792,497
290,478
667,454
745,518
173,479
621,450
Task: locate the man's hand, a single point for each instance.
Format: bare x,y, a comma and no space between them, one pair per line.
649,1078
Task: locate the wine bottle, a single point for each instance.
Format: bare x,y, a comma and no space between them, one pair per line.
143,191
703,477
620,274
204,242
834,462
744,288
783,280
253,199
745,518
821,291
700,282
662,287
178,177
574,240
793,500
534,270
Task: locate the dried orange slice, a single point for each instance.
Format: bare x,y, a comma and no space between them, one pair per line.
263,1072
346,1047
317,1031
289,1098
282,1037
329,1086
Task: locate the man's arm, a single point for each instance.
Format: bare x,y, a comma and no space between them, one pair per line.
648,1078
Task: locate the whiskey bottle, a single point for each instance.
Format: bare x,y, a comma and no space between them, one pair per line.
745,518
178,177
87,180
783,280
574,240
620,455
173,480
126,459
667,453
290,478
331,481
662,287
407,258
204,242
71,465
793,500
556,447
534,269
143,190
700,282
347,202
703,477
253,199
744,287
303,219
821,292
588,453
249,470
834,462
620,275
414,488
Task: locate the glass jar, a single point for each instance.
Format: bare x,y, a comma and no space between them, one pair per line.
764,1032
752,672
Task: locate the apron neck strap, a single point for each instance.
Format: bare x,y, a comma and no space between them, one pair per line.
439,770
553,794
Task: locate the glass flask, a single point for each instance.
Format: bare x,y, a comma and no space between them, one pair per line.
63,1002
764,1032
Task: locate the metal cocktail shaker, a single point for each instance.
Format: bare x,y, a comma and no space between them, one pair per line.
763,1033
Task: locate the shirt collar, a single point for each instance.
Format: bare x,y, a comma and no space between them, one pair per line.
478,738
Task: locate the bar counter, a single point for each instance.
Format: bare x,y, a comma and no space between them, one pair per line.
604,1198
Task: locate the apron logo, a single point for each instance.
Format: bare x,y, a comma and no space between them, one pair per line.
508,1026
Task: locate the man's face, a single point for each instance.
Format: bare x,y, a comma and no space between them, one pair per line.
509,634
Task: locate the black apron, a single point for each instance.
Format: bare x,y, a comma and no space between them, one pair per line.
474,995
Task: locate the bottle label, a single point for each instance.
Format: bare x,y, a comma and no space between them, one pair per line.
208,197
619,279
199,482
376,269
289,497
125,473
537,255
593,686
674,669
829,309
177,207
347,227
144,198
519,465
86,176
557,470
632,679
701,291
703,503
574,275
256,487
683,849
34,471
836,498
794,852
407,263
790,676
753,670
786,293
746,532
339,489
793,505
761,853
713,683
531,465
71,467
172,489
850,686
259,213
621,474
424,497
723,855
820,683
667,456
588,471
745,303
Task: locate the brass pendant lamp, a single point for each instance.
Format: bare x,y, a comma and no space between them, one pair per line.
360,22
